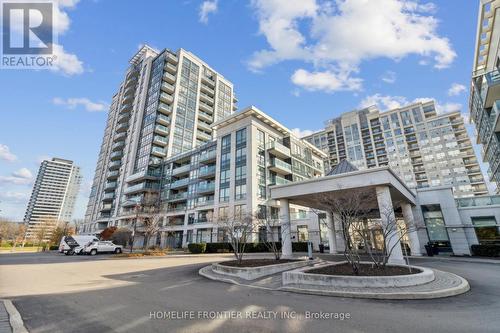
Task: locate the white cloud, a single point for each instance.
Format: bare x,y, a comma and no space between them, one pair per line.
341,34
456,89
301,133
328,81
389,77
383,102
15,197
448,107
22,176
6,155
66,63
207,8
88,105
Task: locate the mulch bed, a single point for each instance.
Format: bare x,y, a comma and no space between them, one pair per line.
256,262
364,270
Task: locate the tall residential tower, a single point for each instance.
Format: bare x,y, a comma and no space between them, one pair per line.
484,102
53,198
424,148
165,106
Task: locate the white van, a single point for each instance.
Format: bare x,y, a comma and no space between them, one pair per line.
74,244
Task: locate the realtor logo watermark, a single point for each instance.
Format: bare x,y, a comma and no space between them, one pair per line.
28,34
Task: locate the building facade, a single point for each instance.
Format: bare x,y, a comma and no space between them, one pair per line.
424,148
231,176
165,106
484,102
53,197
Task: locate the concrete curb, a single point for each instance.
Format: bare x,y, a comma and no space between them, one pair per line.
403,295
16,321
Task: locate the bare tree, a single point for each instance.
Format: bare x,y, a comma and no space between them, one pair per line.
151,225
147,218
271,240
239,230
44,230
11,231
348,208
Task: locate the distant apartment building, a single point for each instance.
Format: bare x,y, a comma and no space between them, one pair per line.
425,149
53,198
165,106
484,102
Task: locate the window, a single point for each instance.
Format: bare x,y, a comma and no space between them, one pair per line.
303,234
240,212
224,194
433,218
240,192
241,137
486,229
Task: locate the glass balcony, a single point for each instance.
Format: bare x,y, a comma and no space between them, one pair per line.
147,174
277,149
180,183
208,156
108,196
116,155
168,77
204,202
172,58
123,117
206,98
203,135
167,87
159,151
206,107
113,174
121,127
162,119
118,145
490,88
280,166
115,165
141,187
178,196
126,107
160,140
205,126
120,136
110,186
160,129
167,98
488,200
279,181
206,187
172,69
181,170
165,108
205,116
207,171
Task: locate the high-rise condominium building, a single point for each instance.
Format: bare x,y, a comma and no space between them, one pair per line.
484,102
165,106
424,148
53,198
231,176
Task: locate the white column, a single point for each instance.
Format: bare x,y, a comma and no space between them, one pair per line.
286,229
332,240
339,233
412,233
388,221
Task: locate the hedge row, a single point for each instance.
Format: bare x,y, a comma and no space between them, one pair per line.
197,247
486,250
249,248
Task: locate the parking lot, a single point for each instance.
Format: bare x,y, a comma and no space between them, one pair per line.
57,293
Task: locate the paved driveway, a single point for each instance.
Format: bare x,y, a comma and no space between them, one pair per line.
102,295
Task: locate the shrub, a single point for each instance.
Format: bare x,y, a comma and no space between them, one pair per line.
299,246
54,247
486,250
197,247
218,248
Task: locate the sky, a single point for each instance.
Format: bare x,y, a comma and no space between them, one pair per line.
302,62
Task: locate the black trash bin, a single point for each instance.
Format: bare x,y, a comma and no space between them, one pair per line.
321,248
430,250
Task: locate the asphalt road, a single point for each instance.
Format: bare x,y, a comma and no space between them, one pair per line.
93,294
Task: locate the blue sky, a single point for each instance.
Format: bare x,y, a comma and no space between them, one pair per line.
302,62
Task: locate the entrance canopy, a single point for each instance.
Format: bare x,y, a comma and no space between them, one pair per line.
307,192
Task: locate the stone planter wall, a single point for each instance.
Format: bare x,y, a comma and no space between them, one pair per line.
252,273
301,277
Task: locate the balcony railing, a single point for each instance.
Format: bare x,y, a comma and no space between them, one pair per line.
162,119
279,149
180,183
489,200
208,156
279,181
206,187
206,171
164,108
182,169
280,166
160,129
146,174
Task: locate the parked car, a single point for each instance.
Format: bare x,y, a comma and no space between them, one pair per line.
74,244
102,247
